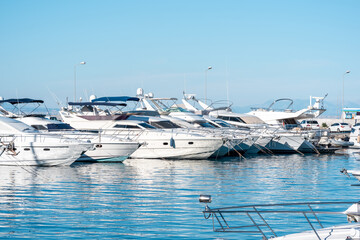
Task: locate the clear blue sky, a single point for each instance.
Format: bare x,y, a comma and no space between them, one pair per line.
263,49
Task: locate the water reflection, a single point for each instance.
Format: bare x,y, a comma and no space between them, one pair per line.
158,198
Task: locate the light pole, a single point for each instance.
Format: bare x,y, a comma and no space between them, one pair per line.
81,63
341,112
209,68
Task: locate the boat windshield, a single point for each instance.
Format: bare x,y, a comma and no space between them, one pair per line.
176,109
146,125
206,124
39,127
233,119
165,124
222,123
59,126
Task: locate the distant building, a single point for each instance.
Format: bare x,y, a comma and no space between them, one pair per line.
351,113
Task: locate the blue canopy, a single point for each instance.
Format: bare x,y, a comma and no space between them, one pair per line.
116,99
21,100
96,104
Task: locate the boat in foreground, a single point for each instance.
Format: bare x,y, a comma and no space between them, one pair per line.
272,220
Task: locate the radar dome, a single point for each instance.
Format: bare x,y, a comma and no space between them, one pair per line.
140,92
151,95
92,97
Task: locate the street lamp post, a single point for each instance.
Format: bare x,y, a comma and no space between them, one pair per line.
81,63
341,112
209,68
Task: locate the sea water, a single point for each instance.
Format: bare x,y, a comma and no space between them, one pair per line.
158,199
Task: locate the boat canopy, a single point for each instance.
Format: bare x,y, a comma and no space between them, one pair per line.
21,100
96,104
116,99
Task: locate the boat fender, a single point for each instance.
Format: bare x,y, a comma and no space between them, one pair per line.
172,142
358,139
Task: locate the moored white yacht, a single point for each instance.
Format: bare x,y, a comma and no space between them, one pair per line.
22,145
287,117
238,140
106,148
157,143
273,138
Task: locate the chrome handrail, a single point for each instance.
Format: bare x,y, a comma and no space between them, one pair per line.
221,224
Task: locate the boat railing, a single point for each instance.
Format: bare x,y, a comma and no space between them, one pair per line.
268,219
123,133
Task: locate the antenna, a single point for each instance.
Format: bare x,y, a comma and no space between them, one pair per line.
58,102
184,82
227,83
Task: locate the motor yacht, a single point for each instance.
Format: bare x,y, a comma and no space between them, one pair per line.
22,145
289,118
107,148
157,143
273,137
238,141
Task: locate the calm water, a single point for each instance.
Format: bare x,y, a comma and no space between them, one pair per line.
158,199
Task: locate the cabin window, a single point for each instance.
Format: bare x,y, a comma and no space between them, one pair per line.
125,126
190,143
39,127
224,118
206,125
236,119
166,143
59,126
46,149
222,123
26,149
164,124
145,125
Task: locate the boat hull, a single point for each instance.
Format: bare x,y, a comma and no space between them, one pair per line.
192,148
109,152
34,154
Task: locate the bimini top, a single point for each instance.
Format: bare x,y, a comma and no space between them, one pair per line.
21,100
96,104
116,99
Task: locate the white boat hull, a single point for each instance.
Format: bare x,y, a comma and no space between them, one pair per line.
199,148
343,232
35,154
109,152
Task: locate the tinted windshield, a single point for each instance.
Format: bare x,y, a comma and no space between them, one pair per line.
164,124
206,124
222,123
125,126
148,126
59,126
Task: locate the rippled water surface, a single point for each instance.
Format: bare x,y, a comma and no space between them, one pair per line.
158,199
